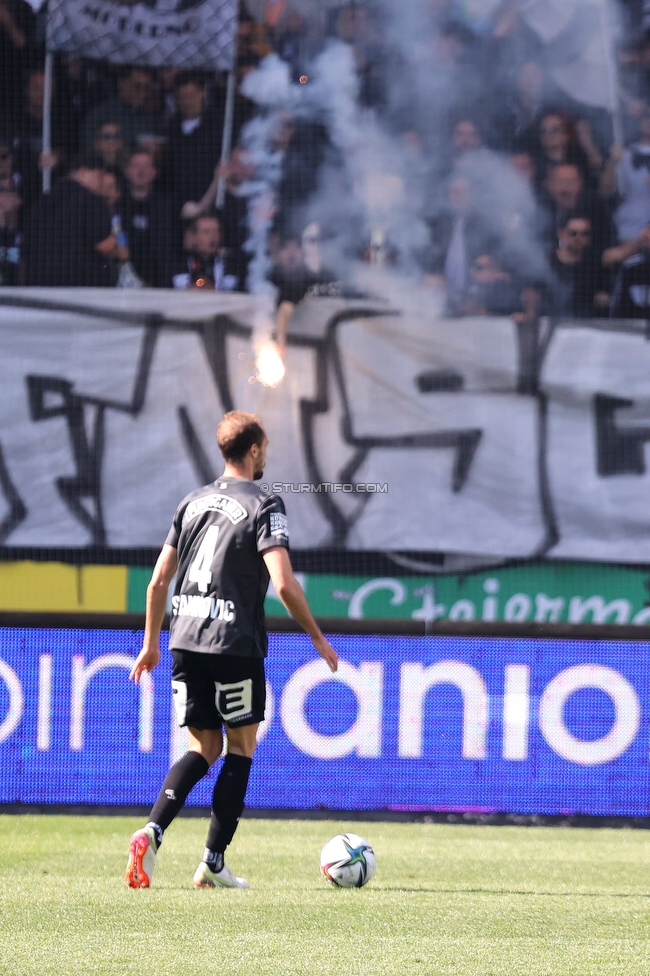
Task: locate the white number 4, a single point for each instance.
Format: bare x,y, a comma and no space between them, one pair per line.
201,569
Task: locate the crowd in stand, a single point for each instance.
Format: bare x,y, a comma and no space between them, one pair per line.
135,166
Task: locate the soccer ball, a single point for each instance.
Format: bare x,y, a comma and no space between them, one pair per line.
348,861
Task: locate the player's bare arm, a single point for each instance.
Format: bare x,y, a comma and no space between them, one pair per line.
161,577
290,592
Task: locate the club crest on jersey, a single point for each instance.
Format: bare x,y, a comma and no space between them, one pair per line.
229,507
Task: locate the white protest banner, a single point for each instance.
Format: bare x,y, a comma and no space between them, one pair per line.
388,433
156,33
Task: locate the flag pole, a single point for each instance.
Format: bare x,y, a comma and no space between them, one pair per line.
226,141
47,118
608,37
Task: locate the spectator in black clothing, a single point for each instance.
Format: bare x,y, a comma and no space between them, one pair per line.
304,145
293,29
234,213
458,236
29,157
492,290
17,37
205,262
68,238
581,289
631,293
8,171
129,108
252,44
294,281
111,190
464,138
10,216
355,25
10,235
109,144
518,108
147,223
194,143
82,83
555,141
166,78
565,193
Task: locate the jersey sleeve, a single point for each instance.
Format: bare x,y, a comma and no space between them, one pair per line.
174,533
272,527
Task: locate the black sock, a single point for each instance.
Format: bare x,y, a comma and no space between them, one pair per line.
228,801
214,860
179,781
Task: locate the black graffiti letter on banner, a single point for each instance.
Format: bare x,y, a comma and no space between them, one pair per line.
51,396
619,446
17,509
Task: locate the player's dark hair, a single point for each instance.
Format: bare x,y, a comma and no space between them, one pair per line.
237,433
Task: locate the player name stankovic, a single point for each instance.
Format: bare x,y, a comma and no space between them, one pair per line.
203,606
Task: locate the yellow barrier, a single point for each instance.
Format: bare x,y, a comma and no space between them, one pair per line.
56,586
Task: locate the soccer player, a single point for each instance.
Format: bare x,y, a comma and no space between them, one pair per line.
225,541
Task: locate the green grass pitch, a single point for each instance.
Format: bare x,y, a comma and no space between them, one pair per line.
461,900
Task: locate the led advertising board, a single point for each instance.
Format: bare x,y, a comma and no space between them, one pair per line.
520,725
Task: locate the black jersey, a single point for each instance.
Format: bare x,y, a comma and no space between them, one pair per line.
631,297
220,533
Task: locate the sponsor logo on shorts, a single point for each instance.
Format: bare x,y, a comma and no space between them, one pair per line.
229,507
179,691
279,524
234,701
204,607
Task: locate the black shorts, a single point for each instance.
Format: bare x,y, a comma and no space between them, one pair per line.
212,689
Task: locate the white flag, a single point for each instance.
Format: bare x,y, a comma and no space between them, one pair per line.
156,33
579,38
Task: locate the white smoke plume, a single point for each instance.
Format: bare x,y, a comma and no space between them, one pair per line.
270,88
379,185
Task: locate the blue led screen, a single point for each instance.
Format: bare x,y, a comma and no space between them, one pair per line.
409,723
